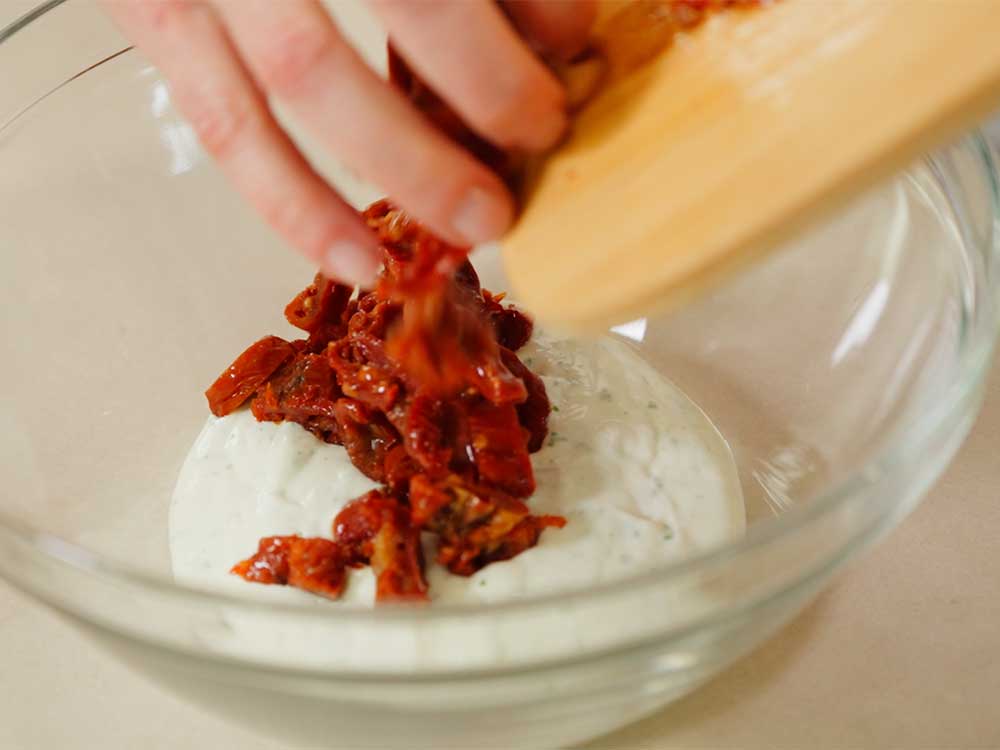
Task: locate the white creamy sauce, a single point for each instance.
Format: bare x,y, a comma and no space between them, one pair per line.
640,473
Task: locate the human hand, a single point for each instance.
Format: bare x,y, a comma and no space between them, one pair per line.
226,59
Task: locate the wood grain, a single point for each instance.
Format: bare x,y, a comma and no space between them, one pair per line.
742,133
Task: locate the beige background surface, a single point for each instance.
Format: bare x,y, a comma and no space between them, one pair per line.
902,652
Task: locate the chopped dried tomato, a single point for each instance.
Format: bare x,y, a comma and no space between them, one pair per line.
475,525
303,391
322,302
364,372
313,565
398,467
418,380
499,448
248,373
366,435
533,412
429,432
512,327
443,343
376,529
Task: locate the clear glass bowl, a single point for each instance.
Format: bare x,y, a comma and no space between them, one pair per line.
845,372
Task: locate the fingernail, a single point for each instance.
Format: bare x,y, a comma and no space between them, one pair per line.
480,217
351,263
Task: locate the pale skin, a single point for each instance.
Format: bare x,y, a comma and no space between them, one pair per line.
225,60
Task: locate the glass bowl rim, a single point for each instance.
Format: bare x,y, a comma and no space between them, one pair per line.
972,359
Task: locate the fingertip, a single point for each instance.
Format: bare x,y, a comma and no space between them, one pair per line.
482,215
550,130
351,262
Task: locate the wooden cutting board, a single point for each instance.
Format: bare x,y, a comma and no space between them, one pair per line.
744,131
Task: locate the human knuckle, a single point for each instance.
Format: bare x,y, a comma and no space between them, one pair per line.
504,115
287,62
304,218
220,125
289,214
161,16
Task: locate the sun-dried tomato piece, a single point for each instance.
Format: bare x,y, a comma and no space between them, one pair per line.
398,562
499,447
466,278
305,391
269,564
429,433
398,468
372,318
416,261
443,342
512,327
321,303
428,498
523,536
314,565
364,372
447,347
366,435
475,526
248,373
376,529
533,412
